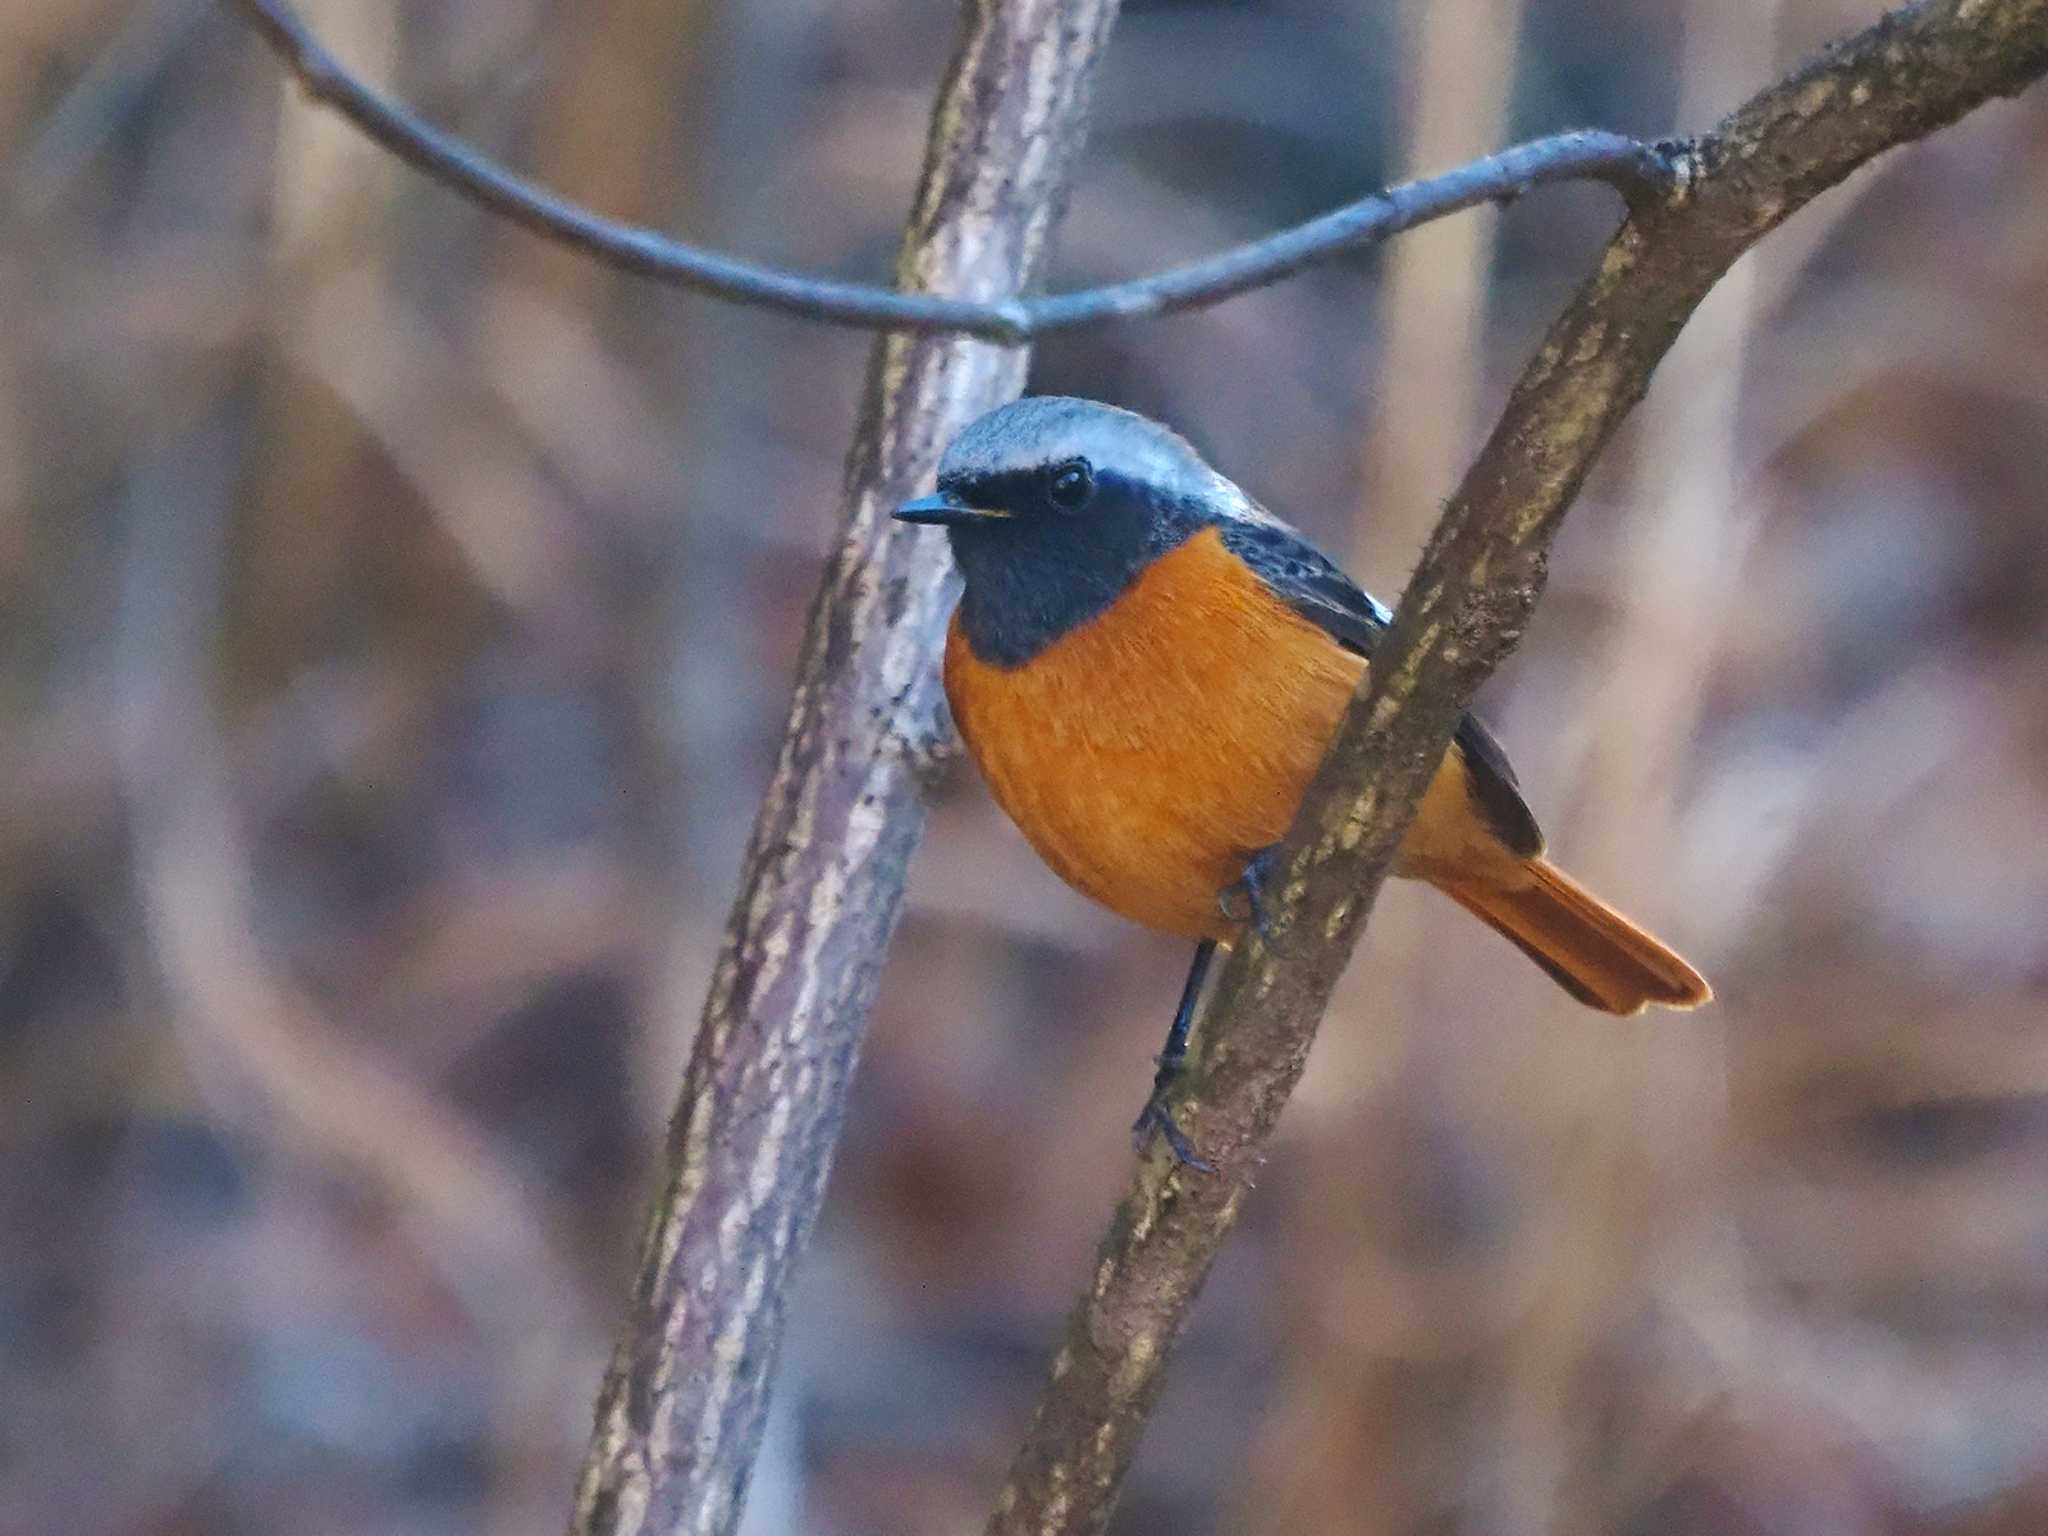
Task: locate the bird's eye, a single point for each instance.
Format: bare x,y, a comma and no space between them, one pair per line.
1071,484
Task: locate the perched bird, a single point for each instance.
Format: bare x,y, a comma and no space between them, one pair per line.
1147,667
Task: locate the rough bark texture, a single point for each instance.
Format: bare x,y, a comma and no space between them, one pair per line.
679,1418
1912,73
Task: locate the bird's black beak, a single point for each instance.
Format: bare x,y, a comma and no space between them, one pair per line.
943,511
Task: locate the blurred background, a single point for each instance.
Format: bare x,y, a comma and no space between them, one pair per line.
396,624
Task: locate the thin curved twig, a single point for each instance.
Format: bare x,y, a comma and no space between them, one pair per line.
1914,72
1640,172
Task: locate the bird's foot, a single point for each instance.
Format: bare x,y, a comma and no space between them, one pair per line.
1157,1119
1244,899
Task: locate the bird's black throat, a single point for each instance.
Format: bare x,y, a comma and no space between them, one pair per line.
1042,573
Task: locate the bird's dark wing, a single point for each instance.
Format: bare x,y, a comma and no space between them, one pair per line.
1495,789
1310,583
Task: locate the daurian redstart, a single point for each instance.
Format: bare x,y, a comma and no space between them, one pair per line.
1147,666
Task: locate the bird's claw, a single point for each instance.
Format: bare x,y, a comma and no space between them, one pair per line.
1157,1119
1244,899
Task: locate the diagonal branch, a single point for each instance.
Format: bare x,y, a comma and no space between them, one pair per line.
1914,72
1639,171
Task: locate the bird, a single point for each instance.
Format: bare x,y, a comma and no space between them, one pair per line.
1147,666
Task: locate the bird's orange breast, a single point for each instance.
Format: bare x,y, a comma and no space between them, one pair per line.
1148,753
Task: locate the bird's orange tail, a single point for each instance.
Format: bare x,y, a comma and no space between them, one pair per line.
1586,947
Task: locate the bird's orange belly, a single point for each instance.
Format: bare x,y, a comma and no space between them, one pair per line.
1149,753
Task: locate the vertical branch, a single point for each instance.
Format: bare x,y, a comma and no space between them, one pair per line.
679,1418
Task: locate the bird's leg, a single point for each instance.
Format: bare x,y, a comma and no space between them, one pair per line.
1155,1116
1244,899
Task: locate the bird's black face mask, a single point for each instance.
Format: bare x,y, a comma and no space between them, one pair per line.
1045,550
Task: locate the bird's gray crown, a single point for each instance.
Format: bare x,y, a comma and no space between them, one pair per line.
1052,429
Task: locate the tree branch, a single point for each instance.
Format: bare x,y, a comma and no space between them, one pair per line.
1914,72
1639,171
680,1414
